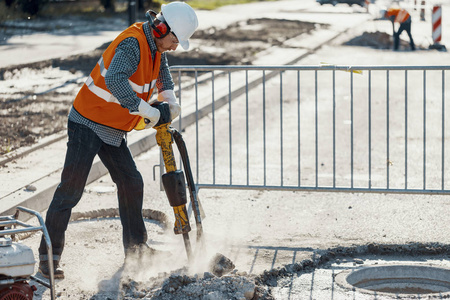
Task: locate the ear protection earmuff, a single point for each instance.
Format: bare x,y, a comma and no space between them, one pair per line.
160,28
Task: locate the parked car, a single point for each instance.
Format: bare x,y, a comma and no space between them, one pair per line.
361,3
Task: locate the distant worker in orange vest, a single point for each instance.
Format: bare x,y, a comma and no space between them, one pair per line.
113,101
400,15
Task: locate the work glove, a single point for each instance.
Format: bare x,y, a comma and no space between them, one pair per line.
169,97
149,113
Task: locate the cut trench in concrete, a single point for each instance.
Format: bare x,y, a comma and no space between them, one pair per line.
397,279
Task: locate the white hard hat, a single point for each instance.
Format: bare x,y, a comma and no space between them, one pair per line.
182,21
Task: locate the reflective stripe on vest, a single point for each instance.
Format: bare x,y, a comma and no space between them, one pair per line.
106,95
95,101
402,16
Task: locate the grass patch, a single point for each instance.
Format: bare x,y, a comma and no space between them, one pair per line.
213,4
85,8
4,149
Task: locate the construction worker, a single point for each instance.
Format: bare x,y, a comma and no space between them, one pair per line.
400,15
113,101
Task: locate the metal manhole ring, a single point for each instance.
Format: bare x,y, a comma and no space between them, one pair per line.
397,279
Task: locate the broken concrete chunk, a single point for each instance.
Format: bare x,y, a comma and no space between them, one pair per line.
221,265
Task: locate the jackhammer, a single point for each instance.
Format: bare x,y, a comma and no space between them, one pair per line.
174,180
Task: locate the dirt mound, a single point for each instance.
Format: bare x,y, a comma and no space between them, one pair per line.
34,117
266,30
238,43
377,40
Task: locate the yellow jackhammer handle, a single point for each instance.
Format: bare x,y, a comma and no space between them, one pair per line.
164,138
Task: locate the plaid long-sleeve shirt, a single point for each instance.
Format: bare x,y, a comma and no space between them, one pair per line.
124,64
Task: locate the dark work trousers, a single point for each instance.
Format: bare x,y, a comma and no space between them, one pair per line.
406,26
82,147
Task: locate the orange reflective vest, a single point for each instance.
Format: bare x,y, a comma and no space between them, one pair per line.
400,14
95,102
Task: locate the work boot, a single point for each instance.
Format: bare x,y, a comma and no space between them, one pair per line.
139,252
58,273
137,256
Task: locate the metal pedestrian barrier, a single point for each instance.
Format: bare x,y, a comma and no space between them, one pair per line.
316,128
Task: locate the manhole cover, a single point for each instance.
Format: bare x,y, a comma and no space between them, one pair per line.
397,279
